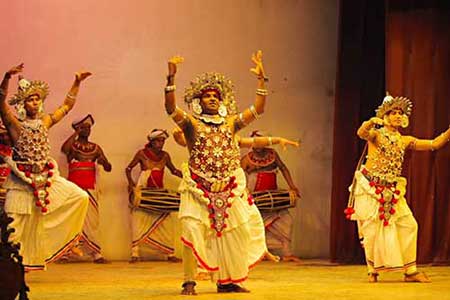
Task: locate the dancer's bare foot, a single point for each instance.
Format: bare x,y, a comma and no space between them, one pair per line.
188,288
417,277
373,277
173,259
134,259
292,258
202,276
231,288
271,257
101,260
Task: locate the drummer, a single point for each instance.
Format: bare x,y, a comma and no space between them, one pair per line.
84,158
261,165
152,228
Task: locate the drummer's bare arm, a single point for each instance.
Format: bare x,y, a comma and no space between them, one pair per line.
128,170
67,145
172,168
245,165
102,160
286,174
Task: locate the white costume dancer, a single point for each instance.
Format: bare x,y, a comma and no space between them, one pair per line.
377,202
48,211
222,229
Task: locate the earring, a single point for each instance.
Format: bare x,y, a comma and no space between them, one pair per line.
196,107
21,112
41,109
222,110
405,121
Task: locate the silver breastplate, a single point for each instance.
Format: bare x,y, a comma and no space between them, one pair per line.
215,154
33,146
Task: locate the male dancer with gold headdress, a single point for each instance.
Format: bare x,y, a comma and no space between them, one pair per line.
222,229
48,211
158,230
83,157
385,222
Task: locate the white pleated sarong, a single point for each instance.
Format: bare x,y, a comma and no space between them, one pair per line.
159,231
387,248
242,243
44,237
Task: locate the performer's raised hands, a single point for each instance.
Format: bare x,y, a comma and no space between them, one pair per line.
377,121
258,70
80,76
15,70
173,62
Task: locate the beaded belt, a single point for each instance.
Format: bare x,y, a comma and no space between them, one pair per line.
376,179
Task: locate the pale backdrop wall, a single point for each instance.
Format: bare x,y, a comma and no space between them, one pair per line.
126,45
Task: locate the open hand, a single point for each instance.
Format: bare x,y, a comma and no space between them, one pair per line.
173,62
284,142
15,70
80,76
258,70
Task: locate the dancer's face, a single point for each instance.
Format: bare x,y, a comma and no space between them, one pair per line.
210,102
394,117
32,105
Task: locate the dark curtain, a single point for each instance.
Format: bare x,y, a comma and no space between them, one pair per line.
359,88
416,57
418,66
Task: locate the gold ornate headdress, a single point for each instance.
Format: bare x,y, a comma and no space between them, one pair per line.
212,81
389,103
27,88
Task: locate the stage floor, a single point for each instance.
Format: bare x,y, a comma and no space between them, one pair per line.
162,280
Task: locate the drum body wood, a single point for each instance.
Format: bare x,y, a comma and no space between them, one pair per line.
156,200
274,200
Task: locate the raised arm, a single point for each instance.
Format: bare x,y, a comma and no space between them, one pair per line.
366,131
179,137
428,145
253,112
179,116
9,120
69,101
